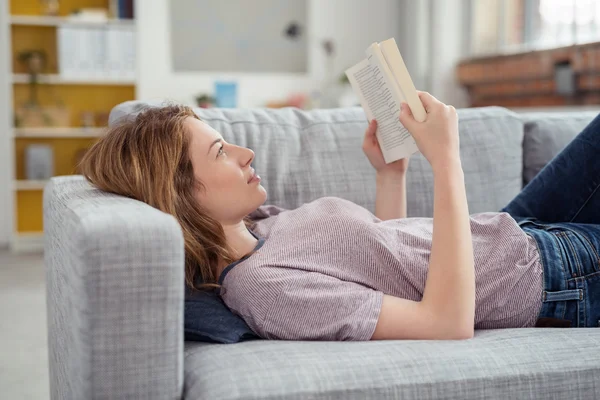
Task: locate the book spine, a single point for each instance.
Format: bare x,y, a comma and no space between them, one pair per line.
122,9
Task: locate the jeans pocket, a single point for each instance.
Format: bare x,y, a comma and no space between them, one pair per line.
585,252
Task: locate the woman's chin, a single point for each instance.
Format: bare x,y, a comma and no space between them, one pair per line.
263,192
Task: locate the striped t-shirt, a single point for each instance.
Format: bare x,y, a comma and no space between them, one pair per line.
323,268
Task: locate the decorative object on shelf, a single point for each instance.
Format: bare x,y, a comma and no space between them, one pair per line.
226,94
35,117
99,15
102,118
32,114
205,101
88,119
50,7
35,62
39,162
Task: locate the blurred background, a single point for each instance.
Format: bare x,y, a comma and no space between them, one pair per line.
66,63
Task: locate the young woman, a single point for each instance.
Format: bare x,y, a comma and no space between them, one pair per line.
332,270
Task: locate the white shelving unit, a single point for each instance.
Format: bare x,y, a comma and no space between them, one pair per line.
58,21
33,241
25,184
55,79
58,132
6,143
27,242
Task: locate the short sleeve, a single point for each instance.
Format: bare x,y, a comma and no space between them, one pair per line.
314,306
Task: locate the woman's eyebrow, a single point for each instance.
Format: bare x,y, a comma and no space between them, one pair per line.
212,144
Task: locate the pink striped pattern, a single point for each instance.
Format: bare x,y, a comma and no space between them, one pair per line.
325,266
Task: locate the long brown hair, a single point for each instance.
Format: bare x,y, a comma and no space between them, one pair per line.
146,158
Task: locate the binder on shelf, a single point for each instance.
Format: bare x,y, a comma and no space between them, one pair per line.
97,52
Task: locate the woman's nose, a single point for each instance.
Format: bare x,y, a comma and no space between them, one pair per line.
248,156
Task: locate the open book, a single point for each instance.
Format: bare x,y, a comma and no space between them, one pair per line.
382,83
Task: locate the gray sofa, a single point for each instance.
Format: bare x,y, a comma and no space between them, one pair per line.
115,278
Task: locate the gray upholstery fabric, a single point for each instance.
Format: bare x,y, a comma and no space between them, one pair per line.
497,364
302,155
491,154
115,281
546,134
114,272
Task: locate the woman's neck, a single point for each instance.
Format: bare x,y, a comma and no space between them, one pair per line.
240,240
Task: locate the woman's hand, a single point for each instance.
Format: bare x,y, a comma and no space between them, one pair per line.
373,152
437,136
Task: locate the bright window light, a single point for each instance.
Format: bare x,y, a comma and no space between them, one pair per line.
558,12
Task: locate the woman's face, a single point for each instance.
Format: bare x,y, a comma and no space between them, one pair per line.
232,190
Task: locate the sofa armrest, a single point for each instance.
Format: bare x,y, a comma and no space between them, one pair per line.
115,288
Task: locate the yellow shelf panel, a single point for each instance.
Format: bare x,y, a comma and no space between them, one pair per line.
79,98
29,211
26,38
56,79
34,7
58,132
37,20
65,153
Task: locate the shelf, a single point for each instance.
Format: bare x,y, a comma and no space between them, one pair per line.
34,20
55,79
28,242
66,132
30,184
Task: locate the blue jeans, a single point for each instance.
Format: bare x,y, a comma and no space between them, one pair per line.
560,208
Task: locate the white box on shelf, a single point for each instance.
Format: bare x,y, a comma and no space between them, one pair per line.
39,162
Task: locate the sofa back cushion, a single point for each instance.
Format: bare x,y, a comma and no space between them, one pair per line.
303,155
546,134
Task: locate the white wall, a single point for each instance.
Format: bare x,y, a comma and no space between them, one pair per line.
414,41
353,24
432,44
6,147
447,48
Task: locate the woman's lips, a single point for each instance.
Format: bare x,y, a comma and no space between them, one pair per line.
254,177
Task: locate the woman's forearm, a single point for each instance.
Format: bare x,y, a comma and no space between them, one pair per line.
390,199
450,287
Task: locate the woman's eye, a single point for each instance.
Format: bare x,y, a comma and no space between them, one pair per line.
220,151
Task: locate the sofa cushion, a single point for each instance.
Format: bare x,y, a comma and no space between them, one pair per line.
546,134
491,154
304,155
495,364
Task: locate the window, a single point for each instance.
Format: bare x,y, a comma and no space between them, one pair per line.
504,26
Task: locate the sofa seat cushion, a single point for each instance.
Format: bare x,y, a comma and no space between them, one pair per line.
509,363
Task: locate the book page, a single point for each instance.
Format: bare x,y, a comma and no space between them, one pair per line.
376,99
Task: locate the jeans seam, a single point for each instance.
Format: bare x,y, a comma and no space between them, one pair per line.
584,277
585,202
582,235
578,263
580,304
566,283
